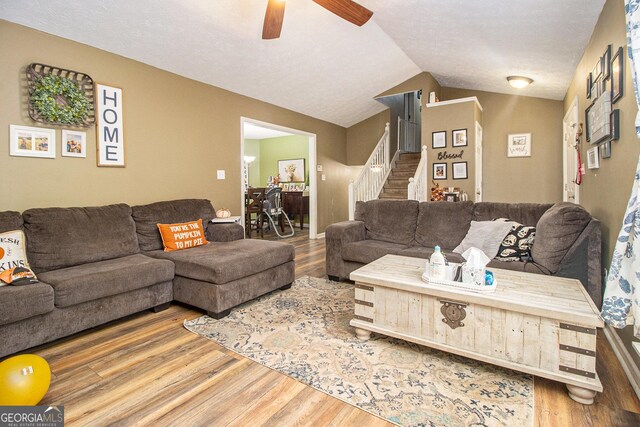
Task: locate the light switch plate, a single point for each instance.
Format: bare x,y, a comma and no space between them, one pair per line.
324,177
221,174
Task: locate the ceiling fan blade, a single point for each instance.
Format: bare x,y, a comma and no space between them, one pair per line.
347,9
273,19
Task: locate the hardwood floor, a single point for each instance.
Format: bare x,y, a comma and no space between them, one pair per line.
148,370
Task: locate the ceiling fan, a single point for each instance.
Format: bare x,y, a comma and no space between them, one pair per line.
345,9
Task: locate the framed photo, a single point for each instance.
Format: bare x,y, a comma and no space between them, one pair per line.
74,143
593,160
439,171
597,70
605,149
26,141
587,125
596,88
451,197
459,138
519,145
606,63
285,187
615,125
459,170
617,76
589,86
439,139
291,170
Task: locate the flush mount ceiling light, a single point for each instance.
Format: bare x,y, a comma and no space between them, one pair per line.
519,82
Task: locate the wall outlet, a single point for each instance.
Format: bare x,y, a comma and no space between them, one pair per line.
319,168
221,174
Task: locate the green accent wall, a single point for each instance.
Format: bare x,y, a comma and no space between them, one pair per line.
268,151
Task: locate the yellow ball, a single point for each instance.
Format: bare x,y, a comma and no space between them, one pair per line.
24,380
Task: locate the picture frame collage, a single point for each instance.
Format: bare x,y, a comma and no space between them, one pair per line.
608,68
459,170
29,141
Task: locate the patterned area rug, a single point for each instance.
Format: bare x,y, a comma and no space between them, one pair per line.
304,333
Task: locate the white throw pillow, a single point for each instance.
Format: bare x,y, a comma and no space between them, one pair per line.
12,252
486,236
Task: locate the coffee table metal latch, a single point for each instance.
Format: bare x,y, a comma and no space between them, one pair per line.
453,312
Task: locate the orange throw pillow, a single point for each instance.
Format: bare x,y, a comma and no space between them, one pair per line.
182,236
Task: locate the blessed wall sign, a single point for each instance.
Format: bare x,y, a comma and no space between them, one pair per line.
110,128
443,155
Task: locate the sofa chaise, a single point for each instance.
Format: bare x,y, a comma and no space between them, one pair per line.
567,241
98,264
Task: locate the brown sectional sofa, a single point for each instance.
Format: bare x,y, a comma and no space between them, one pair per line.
98,264
567,242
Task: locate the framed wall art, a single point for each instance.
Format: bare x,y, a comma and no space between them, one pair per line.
459,138
74,143
606,63
617,76
439,171
26,141
459,170
291,170
439,139
605,149
110,126
589,86
615,125
519,145
593,160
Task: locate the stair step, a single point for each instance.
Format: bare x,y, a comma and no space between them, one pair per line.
391,190
405,174
404,156
393,180
405,166
393,196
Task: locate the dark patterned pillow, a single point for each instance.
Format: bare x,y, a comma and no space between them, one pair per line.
516,246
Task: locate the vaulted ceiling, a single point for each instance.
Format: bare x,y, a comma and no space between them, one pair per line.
323,66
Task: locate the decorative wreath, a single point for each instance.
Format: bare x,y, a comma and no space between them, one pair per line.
59,100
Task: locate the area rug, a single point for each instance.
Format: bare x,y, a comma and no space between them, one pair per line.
304,333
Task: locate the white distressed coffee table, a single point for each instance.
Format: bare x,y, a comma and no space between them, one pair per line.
541,325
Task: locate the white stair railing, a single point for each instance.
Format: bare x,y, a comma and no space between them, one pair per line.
373,175
417,188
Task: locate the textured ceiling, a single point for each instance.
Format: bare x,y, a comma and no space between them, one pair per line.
323,66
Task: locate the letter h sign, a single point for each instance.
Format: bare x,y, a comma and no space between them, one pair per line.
110,130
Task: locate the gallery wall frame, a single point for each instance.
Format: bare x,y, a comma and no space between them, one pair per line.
459,170
459,138
292,170
617,76
593,159
28,141
439,139
74,143
519,145
439,171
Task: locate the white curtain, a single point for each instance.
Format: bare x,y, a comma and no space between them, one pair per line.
632,12
622,293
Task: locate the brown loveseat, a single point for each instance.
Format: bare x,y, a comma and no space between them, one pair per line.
567,241
97,264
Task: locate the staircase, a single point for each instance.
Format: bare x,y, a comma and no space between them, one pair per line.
396,185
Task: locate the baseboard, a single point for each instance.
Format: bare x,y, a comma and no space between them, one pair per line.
320,236
630,368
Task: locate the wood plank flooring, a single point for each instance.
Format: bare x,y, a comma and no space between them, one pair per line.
148,370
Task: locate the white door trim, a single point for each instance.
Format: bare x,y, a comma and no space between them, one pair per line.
313,185
570,124
478,164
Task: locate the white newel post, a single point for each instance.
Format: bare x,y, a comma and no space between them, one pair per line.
411,189
352,202
387,147
425,168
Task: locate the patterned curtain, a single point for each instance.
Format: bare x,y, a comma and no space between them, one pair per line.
632,12
622,292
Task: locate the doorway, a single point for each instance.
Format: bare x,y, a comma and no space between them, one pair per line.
267,131
570,125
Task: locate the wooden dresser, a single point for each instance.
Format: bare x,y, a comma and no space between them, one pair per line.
296,203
